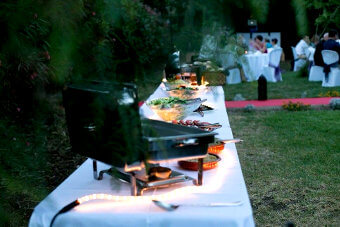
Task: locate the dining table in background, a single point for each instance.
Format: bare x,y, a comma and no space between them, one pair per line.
222,184
253,64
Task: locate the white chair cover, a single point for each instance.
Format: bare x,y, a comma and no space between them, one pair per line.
272,72
316,73
298,63
331,58
229,61
234,76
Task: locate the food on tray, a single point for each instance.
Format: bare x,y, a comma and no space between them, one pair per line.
167,102
183,87
174,83
174,108
184,91
198,124
209,162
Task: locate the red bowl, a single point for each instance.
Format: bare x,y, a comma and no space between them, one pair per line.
193,165
216,148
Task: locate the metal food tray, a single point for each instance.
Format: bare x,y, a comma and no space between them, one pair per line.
167,141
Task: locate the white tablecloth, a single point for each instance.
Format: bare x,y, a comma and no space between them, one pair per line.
223,184
253,65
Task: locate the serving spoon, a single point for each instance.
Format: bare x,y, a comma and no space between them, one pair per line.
172,207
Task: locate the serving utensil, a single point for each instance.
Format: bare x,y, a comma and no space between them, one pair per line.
236,140
172,207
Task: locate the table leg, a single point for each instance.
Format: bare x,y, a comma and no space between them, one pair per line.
200,172
133,184
95,172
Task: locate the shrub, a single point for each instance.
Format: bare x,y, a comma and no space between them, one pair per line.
298,106
330,94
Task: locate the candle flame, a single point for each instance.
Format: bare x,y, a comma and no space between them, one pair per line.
133,168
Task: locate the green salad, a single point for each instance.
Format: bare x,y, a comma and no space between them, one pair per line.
176,81
185,88
167,102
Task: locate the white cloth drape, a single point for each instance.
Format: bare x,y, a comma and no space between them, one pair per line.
253,65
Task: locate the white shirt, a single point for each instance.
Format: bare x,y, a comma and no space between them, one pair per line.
302,48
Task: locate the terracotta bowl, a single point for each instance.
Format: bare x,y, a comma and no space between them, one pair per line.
193,164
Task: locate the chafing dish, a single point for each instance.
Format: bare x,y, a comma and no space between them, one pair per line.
104,124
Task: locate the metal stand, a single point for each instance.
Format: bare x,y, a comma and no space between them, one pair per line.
133,182
95,172
200,171
140,184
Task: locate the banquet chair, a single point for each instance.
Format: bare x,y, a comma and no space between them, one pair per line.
331,69
316,73
228,61
298,63
272,72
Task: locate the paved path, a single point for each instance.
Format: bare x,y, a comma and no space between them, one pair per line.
278,102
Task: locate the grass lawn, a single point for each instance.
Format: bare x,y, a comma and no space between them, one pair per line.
290,161
292,86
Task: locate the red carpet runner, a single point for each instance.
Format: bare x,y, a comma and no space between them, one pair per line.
278,102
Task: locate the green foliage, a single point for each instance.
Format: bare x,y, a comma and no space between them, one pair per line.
328,16
24,54
259,9
22,159
329,13
301,17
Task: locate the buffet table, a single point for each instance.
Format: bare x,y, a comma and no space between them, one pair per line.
222,184
253,65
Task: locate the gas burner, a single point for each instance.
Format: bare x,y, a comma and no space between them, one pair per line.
141,182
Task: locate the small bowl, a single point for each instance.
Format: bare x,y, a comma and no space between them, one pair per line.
216,148
193,164
159,172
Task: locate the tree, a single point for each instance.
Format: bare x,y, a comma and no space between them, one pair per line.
325,13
